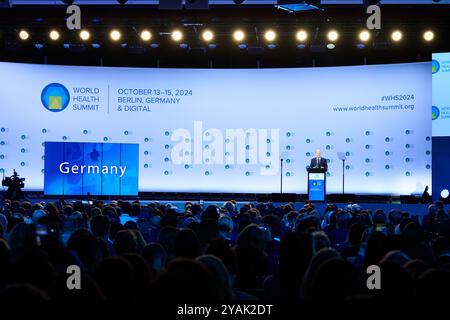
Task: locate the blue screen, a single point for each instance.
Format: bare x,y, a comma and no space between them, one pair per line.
77,168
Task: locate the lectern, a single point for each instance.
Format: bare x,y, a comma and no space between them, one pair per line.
317,184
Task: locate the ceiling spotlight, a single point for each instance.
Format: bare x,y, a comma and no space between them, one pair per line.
331,46
115,35
24,35
54,35
177,35
146,35
396,36
364,36
332,36
428,35
238,35
270,35
445,193
207,35
84,35
301,35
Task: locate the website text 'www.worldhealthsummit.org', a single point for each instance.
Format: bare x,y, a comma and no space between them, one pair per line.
406,107
378,107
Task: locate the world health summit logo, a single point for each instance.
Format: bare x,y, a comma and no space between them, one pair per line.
435,112
55,97
435,66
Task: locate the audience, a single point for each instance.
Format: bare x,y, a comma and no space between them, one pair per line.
136,250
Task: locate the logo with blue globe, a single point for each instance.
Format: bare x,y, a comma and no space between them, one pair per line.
435,112
435,66
55,97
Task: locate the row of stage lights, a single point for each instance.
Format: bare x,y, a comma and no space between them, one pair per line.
238,35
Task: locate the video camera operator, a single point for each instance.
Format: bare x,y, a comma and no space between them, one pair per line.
15,185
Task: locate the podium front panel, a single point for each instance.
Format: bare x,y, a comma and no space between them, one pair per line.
316,186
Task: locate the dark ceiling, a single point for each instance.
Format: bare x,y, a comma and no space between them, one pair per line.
99,20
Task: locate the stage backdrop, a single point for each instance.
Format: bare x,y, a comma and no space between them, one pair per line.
203,130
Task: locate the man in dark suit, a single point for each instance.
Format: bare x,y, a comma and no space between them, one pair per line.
318,161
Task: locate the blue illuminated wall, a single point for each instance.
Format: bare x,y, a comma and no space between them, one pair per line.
225,130
100,155
441,122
